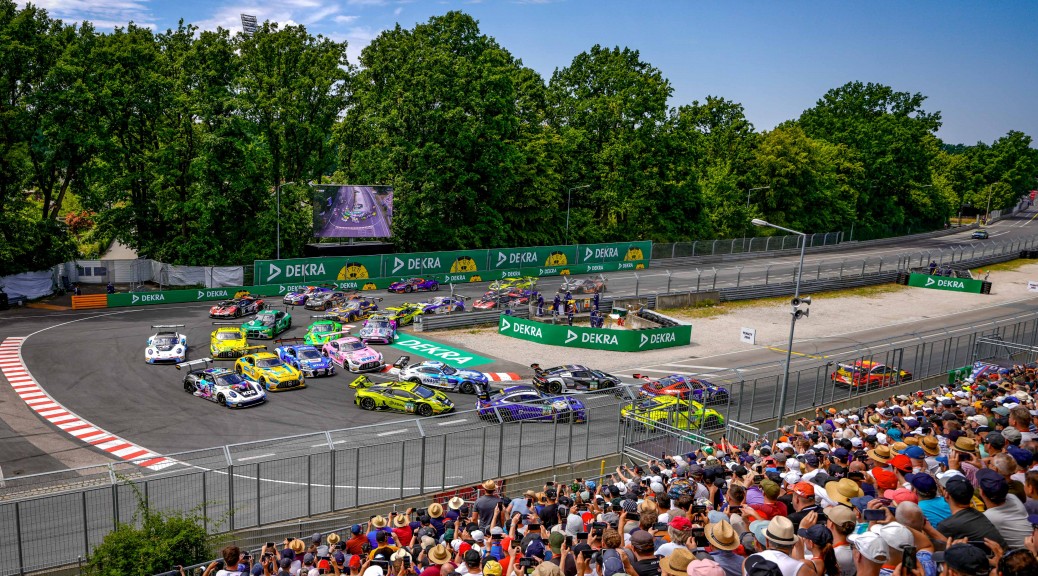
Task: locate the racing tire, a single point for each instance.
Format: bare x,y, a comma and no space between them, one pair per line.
415,380
221,401
555,387
436,287
408,289
367,404
237,370
188,387
712,423
424,410
467,388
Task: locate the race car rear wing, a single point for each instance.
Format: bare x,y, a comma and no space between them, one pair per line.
227,323
280,340
362,382
199,362
167,326
402,362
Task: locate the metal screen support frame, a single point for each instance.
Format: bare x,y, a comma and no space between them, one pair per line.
331,471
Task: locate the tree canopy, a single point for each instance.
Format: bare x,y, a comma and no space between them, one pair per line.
178,142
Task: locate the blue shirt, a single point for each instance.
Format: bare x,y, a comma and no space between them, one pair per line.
935,510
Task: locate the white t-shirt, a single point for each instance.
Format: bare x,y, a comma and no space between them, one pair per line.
228,573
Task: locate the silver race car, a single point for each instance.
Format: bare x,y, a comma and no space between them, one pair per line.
378,328
166,345
221,385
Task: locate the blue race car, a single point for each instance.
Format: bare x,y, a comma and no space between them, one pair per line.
305,358
685,388
527,403
415,285
440,375
444,305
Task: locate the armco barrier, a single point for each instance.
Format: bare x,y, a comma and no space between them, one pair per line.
595,338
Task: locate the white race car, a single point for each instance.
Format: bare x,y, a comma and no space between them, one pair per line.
166,345
220,385
439,375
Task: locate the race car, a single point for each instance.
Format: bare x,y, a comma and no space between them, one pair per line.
405,313
517,403
353,310
523,283
583,285
304,357
320,332
377,328
267,324
353,355
672,411
572,378
237,307
440,375
979,235
415,285
405,397
220,385
166,345
444,305
492,300
299,298
865,374
326,300
684,387
229,342
270,372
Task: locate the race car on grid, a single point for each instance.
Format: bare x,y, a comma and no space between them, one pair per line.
492,300
440,375
523,283
267,324
379,329
304,357
406,397
405,313
166,345
353,310
415,285
320,332
353,355
683,387
583,285
237,307
443,305
517,403
267,369
672,411
229,343
299,298
220,385
572,378
865,374
327,300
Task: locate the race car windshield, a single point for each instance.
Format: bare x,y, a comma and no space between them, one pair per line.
229,379
381,324
266,320
449,370
228,336
268,363
324,328
164,341
309,354
225,304
601,375
423,392
352,346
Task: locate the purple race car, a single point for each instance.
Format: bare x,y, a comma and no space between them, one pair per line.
299,298
527,403
444,305
415,285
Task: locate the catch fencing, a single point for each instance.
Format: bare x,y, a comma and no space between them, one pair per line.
56,519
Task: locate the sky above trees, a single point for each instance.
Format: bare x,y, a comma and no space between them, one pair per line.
974,61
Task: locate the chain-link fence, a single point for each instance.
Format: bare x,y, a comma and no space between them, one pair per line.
755,244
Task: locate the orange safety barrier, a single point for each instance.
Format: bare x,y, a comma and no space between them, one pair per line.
90,301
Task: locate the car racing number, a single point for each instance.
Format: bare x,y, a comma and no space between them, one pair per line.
410,407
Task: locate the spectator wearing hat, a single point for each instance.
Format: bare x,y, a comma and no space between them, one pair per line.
931,447
965,560
549,514
724,540
870,553
843,490
383,546
1008,515
645,562
355,545
841,522
961,457
676,563
965,521
679,530
435,513
933,505
819,540
486,504
378,524
402,527
470,564
780,538
803,502
896,537
770,507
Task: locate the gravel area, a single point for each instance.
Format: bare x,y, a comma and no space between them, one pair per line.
830,316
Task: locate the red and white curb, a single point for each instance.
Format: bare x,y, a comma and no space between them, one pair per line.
502,376
36,398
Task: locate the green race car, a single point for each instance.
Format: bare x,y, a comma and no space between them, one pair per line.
267,324
406,397
405,313
320,332
673,411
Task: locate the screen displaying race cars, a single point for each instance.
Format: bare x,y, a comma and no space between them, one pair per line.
353,211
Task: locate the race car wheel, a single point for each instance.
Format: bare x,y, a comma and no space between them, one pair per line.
367,404
408,288
188,387
415,380
424,410
467,388
237,312
221,400
555,387
326,306
436,288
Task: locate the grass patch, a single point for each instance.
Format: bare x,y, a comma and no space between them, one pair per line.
1002,267
711,309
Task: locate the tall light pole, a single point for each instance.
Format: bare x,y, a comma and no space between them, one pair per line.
569,196
278,255
796,312
751,190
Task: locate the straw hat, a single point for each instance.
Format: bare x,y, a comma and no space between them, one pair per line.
439,554
378,522
930,446
297,546
722,536
455,503
843,490
780,531
399,521
964,444
435,510
333,539
490,486
880,454
676,564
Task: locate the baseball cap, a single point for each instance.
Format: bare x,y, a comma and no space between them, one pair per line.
922,482
915,452
901,462
641,539
285,563
840,515
992,484
804,489
894,534
871,546
966,559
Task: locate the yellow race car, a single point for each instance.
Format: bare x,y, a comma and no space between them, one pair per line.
673,411
406,397
270,372
229,343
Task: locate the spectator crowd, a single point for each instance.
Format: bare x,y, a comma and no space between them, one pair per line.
920,485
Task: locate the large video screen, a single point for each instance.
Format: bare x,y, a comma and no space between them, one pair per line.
353,211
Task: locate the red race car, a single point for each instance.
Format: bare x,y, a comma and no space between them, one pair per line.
685,388
868,374
236,308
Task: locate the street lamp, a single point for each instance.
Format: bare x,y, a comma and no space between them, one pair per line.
569,196
796,312
751,190
278,255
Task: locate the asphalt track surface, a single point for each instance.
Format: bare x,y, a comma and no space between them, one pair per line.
374,226
101,376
